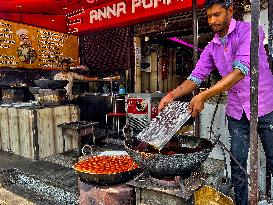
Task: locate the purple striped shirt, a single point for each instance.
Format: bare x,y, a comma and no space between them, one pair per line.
234,52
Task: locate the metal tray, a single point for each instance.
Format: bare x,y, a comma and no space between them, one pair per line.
165,125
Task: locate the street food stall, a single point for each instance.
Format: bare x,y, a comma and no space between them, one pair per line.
32,104
130,47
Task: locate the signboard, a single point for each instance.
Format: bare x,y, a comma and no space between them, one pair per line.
123,13
23,46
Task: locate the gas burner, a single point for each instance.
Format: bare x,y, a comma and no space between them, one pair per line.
166,182
190,182
183,188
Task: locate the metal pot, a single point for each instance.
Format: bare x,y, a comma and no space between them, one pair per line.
107,179
34,90
175,159
51,84
12,94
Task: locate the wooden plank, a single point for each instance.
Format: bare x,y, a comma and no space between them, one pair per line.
75,110
5,129
14,130
159,76
45,132
71,139
145,81
58,130
74,116
137,47
25,132
170,66
61,115
64,114
1,147
153,75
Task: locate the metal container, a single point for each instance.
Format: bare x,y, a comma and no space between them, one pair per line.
34,90
180,157
49,96
106,179
51,84
14,94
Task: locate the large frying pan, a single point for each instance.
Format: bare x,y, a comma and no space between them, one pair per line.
51,84
107,179
180,157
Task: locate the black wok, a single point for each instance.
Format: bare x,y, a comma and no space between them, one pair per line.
107,179
51,84
175,159
34,90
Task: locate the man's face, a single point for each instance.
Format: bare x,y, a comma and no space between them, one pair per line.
219,18
65,66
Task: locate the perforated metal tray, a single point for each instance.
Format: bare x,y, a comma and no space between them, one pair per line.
165,125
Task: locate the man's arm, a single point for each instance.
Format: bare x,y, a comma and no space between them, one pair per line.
90,78
83,77
203,68
224,84
227,82
185,88
56,76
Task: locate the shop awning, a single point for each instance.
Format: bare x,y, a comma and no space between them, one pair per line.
89,15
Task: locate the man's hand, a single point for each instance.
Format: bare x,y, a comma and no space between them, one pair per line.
196,105
164,102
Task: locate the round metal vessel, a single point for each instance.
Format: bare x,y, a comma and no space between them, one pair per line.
180,157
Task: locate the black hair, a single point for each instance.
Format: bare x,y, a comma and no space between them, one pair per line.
66,60
224,3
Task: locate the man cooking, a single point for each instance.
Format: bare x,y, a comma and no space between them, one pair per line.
229,52
66,74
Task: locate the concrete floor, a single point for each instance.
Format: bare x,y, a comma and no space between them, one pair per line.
9,198
24,181
52,181
27,182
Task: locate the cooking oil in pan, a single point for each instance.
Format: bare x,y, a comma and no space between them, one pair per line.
167,150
